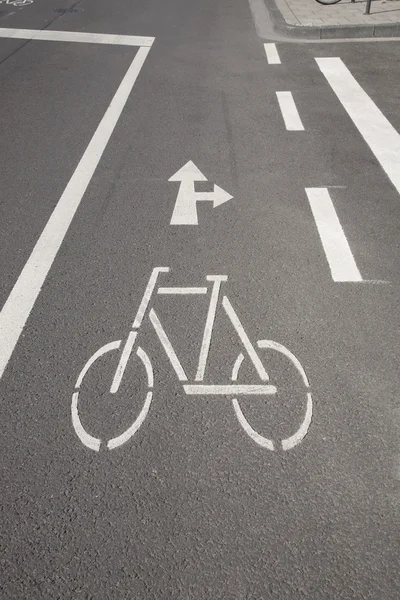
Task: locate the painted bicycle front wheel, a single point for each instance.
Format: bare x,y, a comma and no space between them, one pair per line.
302,404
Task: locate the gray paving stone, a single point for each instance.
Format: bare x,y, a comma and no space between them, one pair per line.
345,13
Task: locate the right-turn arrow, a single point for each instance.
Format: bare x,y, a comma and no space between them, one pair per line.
185,210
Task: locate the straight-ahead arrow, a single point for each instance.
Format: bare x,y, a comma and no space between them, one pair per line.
185,210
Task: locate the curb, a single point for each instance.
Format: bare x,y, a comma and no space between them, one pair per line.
328,32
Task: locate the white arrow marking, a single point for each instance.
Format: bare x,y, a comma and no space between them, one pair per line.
185,210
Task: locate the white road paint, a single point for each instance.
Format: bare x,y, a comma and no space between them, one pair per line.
296,438
338,253
289,111
147,364
147,295
22,298
136,324
229,390
271,345
244,338
208,329
103,350
18,3
377,131
182,290
191,389
301,432
87,440
166,344
262,441
124,437
185,209
272,54
94,443
76,36
123,361
265,442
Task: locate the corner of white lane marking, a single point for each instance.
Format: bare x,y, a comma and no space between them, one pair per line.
327,58
76,36
22,298
334,242
289,111
271,52
377,131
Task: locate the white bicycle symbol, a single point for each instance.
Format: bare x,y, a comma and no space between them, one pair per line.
232,390
16,2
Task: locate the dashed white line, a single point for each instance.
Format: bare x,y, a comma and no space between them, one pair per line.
380,135
289,111
338,253
272,54
23,296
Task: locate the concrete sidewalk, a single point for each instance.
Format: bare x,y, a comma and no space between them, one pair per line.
345,19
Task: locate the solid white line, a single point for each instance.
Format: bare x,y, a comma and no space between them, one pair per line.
229,390
182,290
337,249
76,36
272,54
380,135
20,302
289,111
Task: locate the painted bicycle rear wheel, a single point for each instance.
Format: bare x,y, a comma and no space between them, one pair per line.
86,438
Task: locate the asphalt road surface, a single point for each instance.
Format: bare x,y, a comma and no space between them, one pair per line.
155,443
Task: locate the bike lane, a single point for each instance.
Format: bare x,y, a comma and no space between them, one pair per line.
366,200
191,507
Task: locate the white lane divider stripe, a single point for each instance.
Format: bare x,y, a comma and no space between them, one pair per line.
289,111
272,54
23,296
76,36
380,135
339,256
